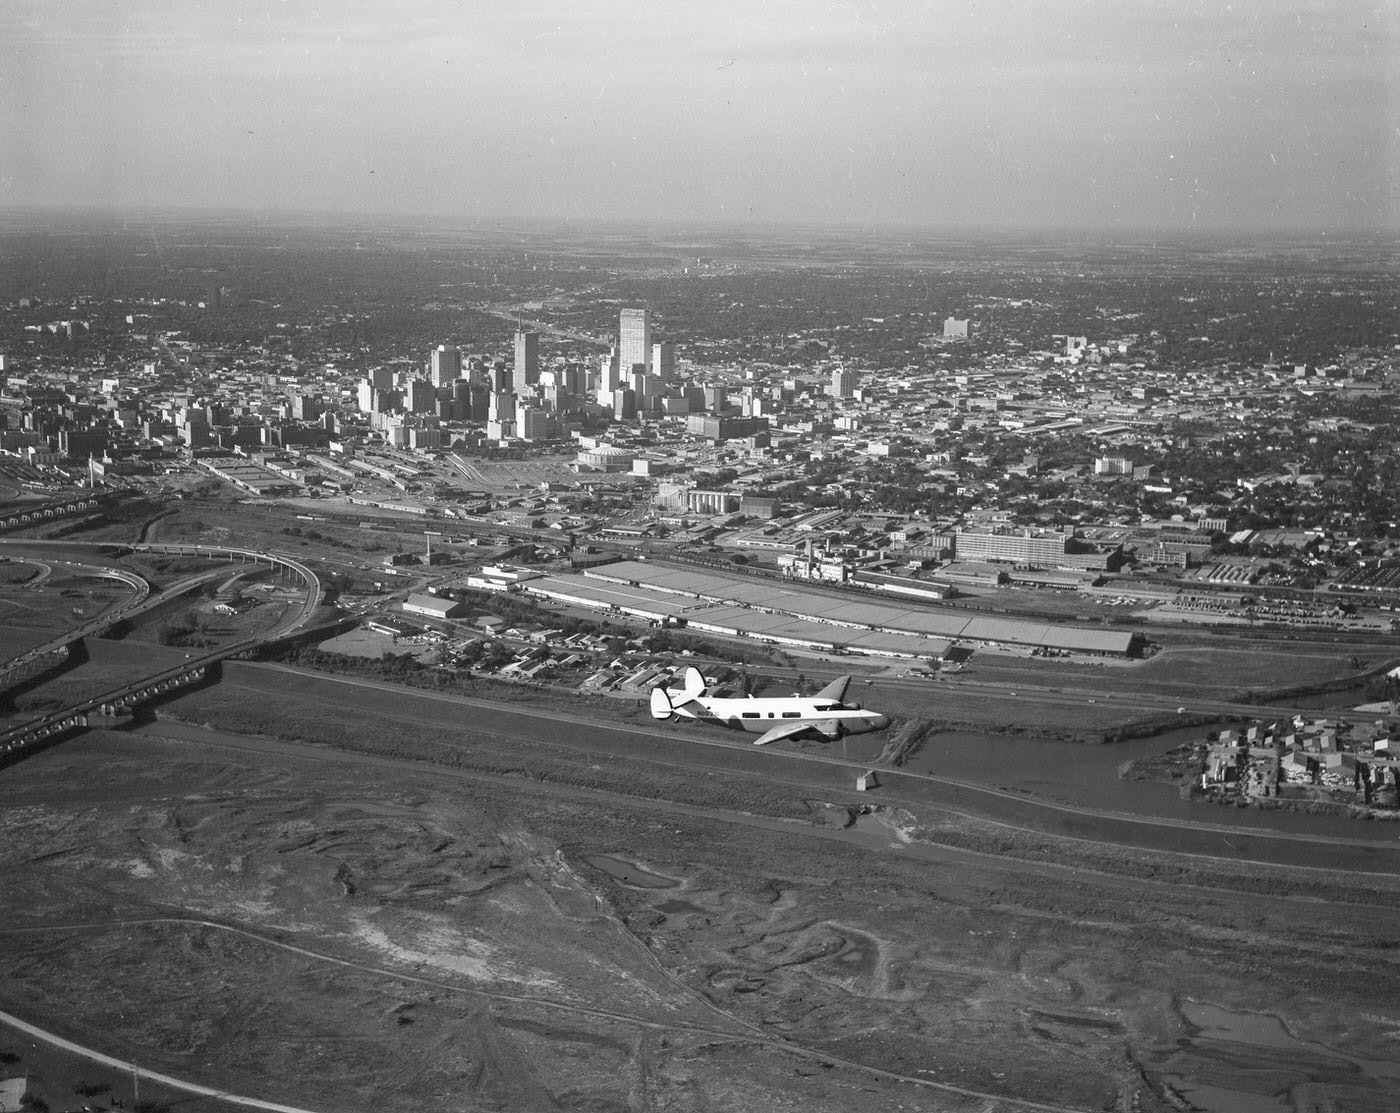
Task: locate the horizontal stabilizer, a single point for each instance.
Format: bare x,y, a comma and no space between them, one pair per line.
661,703
836,690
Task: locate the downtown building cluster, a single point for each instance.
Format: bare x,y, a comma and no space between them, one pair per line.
1065,465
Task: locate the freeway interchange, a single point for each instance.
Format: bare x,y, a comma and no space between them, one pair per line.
116,703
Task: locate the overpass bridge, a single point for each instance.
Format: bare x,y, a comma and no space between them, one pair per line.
56,651
117,705
107,709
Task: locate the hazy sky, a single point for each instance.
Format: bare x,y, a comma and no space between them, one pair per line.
1272,114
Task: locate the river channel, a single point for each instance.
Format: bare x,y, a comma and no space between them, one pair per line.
1086,775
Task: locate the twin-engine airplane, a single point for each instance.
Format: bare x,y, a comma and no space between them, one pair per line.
769,717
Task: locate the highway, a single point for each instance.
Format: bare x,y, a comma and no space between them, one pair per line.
18,739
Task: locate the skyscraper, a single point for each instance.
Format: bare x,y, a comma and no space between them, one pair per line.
527,360
446,365
609,377
663,360
421,395
634,338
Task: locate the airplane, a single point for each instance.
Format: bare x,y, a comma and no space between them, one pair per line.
771,718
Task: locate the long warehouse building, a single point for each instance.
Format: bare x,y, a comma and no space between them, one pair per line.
791,615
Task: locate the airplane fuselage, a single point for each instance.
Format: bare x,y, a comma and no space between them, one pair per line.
758,715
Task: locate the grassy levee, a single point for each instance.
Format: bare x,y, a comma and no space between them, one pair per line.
939,815
462,748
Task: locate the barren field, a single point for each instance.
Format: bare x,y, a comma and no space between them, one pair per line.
39,600
524,926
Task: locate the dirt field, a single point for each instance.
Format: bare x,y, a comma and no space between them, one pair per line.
337,929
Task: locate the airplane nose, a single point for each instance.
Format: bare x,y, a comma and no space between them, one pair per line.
881,722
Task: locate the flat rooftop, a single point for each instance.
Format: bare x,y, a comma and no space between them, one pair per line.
662,587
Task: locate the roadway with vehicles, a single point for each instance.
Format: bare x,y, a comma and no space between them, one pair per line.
117,703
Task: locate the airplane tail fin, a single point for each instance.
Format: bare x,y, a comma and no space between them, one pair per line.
693,684
836,690
661,705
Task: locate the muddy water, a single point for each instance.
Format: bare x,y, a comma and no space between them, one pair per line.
1247,1062
629,873
1087,775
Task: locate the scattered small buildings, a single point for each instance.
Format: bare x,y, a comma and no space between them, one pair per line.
1306,760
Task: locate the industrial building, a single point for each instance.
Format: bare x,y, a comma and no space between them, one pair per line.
788,614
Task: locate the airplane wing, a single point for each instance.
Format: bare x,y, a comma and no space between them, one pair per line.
829,727
836,690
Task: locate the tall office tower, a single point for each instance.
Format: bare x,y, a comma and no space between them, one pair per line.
501,405
305,407
527,361
634,338
663,360
609,378
388,401
364,396
422,396
624,405
479,403
531,424
445,365
843,383
500,379
574,379
381,378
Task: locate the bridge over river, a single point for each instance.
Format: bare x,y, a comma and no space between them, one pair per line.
117,705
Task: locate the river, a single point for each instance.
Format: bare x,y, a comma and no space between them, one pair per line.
1087,776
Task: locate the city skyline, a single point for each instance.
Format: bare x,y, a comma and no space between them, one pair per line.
1073,113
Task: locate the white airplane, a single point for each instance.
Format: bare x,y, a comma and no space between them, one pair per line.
771,718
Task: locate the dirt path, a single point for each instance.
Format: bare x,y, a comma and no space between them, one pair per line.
744,1034
874,837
